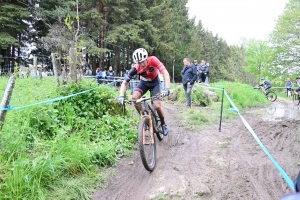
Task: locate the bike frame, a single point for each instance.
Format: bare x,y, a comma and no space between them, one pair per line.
145,113
263,90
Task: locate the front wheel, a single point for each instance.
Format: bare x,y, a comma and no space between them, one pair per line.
147,144
296,99
271,96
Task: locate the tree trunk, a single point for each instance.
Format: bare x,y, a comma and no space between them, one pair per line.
94,64
54,63
116,59
72,64
34,66
40,73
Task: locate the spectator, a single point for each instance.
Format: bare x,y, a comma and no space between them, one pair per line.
289,86
99,75
202,71
207,73
110,74
189,76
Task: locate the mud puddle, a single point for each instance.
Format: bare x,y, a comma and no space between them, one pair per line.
278,111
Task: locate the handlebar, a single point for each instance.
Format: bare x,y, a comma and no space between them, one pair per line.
129,101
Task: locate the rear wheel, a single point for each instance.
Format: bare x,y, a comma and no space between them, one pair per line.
296,99
271,96
147,145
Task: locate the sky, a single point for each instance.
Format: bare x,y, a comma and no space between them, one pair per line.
236,19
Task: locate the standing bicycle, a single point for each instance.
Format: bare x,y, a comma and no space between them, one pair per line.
148,67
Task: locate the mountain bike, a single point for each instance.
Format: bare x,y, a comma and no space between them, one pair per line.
149,125
270,95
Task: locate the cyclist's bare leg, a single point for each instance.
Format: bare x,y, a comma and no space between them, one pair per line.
159,110
135,96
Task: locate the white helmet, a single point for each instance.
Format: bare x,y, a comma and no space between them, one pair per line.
139,55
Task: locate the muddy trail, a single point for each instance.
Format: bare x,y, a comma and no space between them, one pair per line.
215,165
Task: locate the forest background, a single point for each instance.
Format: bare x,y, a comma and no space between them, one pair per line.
106,32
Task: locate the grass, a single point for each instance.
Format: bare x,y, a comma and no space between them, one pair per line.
168,197
55,150
205,113
225,143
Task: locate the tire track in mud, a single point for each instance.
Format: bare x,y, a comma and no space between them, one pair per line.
210,164
134,182
262,176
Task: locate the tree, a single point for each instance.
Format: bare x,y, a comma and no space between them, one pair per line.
286,40
12,31
258,56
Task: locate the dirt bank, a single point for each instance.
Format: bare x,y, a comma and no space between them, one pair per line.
212,165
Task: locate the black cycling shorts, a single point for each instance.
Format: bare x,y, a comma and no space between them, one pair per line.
144,86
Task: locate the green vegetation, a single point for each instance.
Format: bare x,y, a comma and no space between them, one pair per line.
62,144
197,118
168,197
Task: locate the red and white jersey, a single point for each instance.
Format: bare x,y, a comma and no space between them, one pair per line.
152,70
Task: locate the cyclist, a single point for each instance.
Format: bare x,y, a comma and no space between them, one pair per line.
297,91
148,67
266,83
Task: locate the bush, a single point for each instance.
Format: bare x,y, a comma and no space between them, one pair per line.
49,145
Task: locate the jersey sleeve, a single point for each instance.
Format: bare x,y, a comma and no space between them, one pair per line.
156,62
131,74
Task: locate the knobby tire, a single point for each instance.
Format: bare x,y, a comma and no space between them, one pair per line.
271,96
147,150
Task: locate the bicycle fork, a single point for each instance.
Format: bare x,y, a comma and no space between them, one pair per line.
151,129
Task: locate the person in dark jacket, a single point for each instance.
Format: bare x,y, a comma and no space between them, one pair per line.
189,76
202,71
110,74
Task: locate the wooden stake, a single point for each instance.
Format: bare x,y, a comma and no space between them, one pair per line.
6,98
